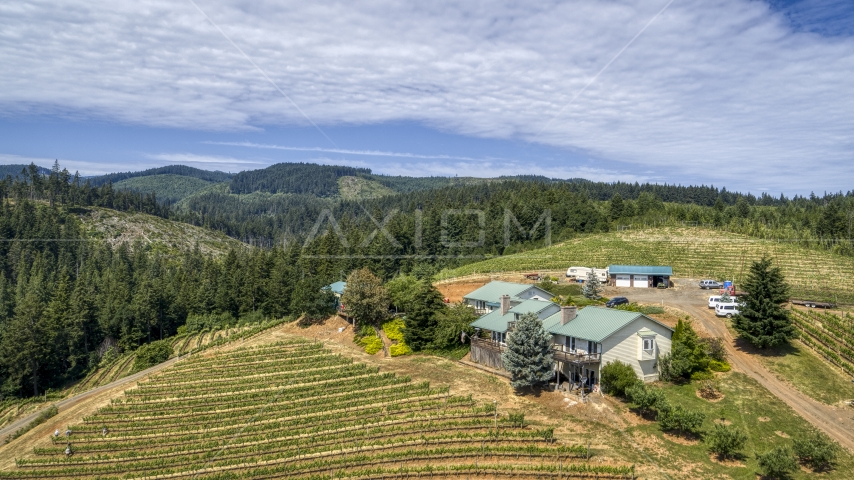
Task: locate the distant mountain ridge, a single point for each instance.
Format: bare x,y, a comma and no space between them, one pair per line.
182,170
15,170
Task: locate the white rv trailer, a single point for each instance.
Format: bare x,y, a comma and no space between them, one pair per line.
579,274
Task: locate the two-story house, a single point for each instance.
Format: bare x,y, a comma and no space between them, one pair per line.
584,339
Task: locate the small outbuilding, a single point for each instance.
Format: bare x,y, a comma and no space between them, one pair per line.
639,276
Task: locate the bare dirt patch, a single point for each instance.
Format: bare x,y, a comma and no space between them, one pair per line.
764,419
782,434
727,462
455,291
681,440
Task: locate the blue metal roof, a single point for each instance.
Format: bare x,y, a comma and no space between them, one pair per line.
337,287
640,270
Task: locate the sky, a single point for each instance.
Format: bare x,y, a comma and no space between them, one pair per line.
752,95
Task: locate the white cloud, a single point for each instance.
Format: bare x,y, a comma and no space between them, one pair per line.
721,91
370,153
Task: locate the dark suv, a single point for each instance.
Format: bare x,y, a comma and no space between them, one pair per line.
707,284
617,301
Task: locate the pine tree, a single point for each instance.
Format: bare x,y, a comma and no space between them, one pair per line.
592,289
528,357
762,319
421,320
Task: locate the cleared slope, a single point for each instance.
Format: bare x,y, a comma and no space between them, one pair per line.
164,235
168,187
693,253
355,188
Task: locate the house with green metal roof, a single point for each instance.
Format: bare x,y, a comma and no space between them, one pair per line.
639,276
584,339
488,297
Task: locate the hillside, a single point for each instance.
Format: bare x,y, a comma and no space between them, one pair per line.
355,188
168,187
692,252
181,170
164,235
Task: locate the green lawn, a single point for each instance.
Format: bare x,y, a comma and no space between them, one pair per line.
747,405
799,366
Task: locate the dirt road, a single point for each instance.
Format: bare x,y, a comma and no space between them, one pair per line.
836,422
69,402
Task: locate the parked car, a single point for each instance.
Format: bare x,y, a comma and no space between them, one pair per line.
707,284
715,299
616,301
726,309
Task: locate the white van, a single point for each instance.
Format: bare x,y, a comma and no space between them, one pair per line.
726,309
715,299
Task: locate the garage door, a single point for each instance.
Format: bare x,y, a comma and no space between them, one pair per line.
641,281
624,280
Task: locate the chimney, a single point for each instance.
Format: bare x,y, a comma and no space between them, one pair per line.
505,304
567,313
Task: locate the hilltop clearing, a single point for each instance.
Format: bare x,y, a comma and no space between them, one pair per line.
168,187
692,252
115,227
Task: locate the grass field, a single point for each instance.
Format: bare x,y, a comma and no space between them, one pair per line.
767,421
692,252
293,409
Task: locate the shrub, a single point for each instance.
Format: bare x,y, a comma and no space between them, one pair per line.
617,376
372,344
151,354
718,366
817,451
777,463
725,441
715,348
702,375
645,398
680,419
645,309
399,349
394,329
517,419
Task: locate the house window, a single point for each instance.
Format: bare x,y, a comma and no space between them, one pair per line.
570,343
591,347
648,345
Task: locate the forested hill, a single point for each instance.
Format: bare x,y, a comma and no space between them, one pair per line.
14,171
181,170
301,178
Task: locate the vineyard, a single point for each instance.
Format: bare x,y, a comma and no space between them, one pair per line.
692,252
830,335
294,409
122,366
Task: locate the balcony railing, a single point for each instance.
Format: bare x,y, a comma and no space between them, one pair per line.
575,357
488,344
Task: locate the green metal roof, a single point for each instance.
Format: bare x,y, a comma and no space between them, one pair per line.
640,270
645,332
592,323
493,291
494,321
528,306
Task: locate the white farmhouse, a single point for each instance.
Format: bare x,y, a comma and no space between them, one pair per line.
584,339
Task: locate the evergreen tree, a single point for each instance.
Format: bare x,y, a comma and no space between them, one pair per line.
592,289
312,300
528,357
421,319
617,207
762,319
